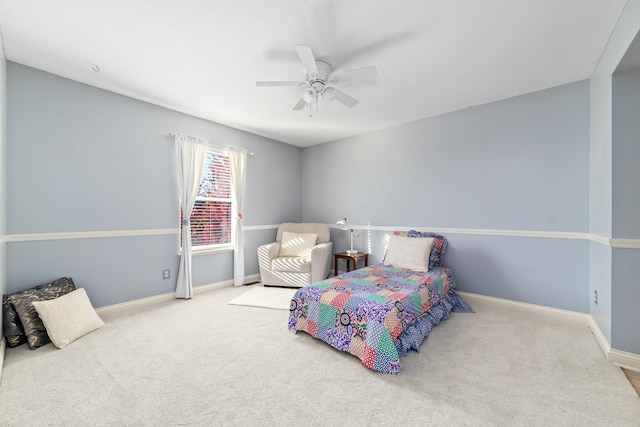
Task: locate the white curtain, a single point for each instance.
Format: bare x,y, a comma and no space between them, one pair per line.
190,154
238,165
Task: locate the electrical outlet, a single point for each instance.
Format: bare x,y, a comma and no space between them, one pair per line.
595,297
166,274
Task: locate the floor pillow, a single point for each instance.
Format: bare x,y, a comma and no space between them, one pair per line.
22,302
11,325
68,317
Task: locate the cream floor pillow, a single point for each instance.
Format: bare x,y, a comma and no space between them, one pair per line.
68,317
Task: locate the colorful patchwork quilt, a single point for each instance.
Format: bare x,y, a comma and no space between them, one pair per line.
376,313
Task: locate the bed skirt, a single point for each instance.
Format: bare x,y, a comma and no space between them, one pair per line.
416,332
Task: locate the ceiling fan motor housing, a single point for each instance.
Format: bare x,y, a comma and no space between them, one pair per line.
316,82
324,70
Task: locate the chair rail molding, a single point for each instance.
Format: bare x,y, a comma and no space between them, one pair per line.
621,243
603,240
625,243
33,237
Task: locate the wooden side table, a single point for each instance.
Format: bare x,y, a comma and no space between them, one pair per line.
350,257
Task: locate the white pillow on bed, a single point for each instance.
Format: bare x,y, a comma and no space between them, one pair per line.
68,317
297,244
411,253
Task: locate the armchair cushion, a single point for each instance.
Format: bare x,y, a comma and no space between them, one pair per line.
301,227
295,264
297,244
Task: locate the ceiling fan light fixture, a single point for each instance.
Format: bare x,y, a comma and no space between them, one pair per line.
310,95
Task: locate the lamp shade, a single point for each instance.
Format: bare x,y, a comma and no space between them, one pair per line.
344,225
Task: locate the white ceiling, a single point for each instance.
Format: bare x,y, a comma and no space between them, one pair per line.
203,57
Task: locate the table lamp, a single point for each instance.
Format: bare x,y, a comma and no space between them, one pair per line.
344,225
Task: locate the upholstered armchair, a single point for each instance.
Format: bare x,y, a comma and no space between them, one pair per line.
301,255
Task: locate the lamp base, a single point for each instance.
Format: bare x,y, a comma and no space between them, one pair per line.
351,251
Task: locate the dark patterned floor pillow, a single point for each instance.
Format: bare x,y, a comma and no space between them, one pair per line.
11,325
22,304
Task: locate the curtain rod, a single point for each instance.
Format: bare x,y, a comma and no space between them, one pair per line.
210,143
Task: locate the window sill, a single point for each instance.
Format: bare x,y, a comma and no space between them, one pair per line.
208,251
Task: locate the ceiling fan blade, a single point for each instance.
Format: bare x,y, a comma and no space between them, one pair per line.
307,59
342,97
300,105
280,83
358,74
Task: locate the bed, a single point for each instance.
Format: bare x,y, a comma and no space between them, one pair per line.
379,312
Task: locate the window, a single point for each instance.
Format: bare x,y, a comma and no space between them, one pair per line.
211,216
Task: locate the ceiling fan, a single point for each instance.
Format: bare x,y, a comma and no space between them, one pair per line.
319,81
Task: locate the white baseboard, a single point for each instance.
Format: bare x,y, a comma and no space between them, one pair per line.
617,357
135,304
600,338
568,315
2,348
625,360
145,302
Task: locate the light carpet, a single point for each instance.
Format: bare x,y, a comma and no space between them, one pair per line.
204,362
267,297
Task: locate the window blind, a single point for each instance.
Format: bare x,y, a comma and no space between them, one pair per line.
211,216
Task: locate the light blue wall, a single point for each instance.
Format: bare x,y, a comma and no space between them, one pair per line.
600,184
82,159
600,282
520,164
3,171
625,297
603,258
625,321
112,270
626,155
